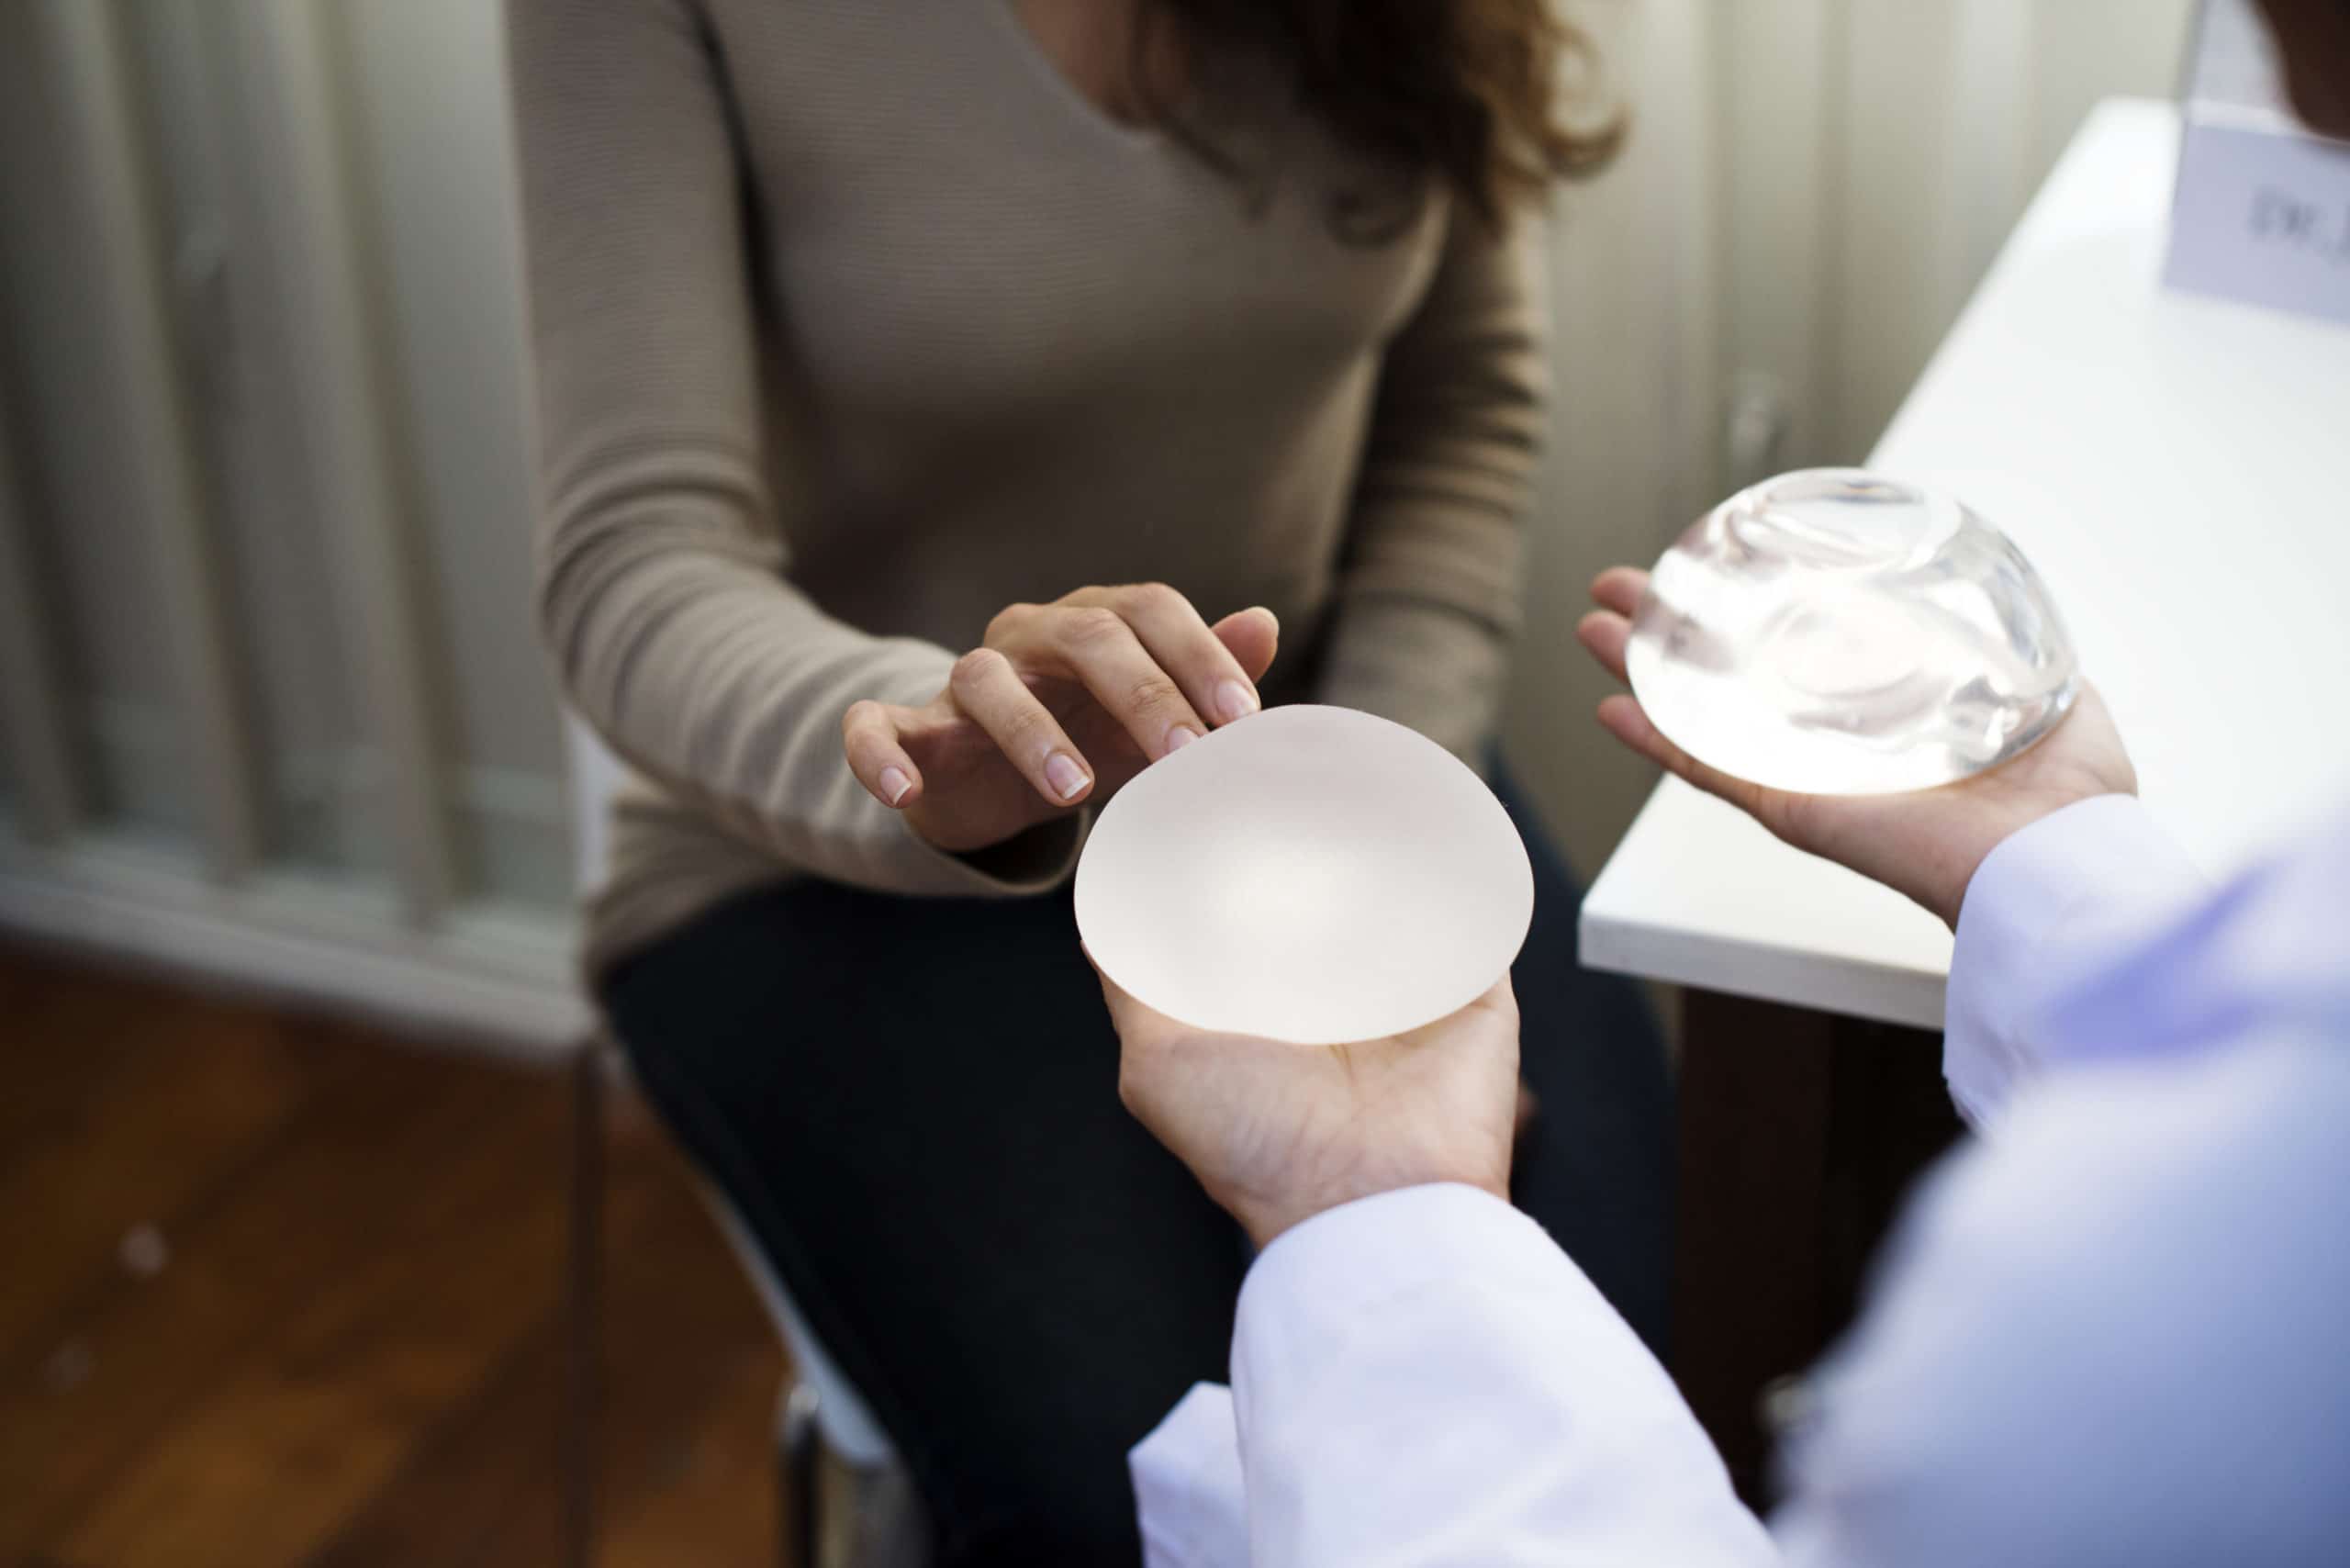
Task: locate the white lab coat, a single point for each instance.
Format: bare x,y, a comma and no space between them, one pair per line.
2116,1329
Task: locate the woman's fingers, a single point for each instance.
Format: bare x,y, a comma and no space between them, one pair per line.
1142,654
1212,680
988,690
869,737
1619,588
1254,636
1095,644
1606,634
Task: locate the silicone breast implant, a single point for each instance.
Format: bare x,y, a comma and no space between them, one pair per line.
1840,633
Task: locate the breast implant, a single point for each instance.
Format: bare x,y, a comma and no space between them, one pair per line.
1838,632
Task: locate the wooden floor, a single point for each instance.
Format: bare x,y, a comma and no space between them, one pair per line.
276,1290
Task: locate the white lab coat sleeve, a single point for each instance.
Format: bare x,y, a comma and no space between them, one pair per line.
2114,1333
1424,1377
2063,899
1187,1491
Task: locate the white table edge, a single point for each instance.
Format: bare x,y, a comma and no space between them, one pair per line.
1729,964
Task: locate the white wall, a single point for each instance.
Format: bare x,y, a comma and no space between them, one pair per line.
1635,311
1874,155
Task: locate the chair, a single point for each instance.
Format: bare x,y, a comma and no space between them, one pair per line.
818,1410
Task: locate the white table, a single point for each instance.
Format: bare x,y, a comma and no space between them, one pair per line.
2179,471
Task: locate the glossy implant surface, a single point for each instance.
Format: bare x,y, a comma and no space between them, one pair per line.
1309,874
1836,632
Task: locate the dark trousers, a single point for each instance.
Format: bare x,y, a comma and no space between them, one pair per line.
913,1106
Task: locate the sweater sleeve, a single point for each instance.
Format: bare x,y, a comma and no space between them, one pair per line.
661,593
1427,602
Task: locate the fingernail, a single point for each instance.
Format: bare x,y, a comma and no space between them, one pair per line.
1064,775
894,784
1234,700
1180,736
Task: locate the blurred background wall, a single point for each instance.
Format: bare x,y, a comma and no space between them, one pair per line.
270,705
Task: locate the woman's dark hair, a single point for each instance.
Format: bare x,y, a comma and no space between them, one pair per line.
1466,89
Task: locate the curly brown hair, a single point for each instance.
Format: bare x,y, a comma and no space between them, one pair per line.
1467,89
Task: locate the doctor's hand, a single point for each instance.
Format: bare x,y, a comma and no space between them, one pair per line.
1059,704
1926,844
1278,1132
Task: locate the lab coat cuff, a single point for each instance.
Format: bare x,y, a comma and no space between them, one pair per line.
2072,889
1189,1495
1312,1288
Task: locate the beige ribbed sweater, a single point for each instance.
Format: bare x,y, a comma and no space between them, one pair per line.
856,322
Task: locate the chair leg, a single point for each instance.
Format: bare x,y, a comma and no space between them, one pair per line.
799,1454
583,1314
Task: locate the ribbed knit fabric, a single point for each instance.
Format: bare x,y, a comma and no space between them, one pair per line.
856,322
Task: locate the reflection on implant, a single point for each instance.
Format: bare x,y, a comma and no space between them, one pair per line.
1839,633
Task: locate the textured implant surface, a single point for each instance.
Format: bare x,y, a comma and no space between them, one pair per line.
1836,633
1308,874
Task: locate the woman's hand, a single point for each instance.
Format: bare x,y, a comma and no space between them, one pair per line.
1060,705
1278,1132
1926,844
